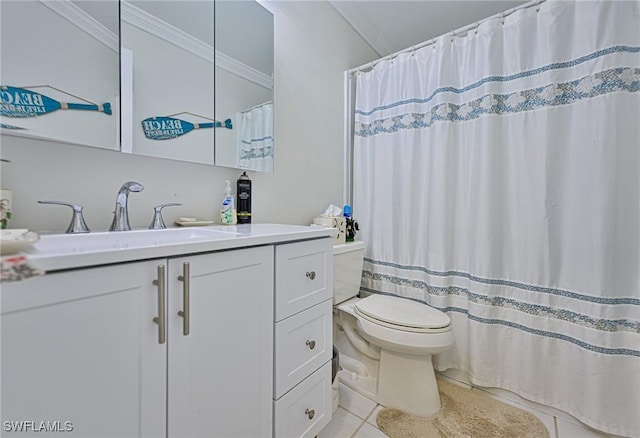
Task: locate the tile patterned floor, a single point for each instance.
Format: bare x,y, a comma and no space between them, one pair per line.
356,417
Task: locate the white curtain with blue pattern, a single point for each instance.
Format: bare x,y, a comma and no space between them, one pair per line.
497,178
254,142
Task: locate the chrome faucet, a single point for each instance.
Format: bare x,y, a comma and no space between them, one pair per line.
121,213
77,225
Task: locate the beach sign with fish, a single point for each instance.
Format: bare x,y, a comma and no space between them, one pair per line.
21,102
168,127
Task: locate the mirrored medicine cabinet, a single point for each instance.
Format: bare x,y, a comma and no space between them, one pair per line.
182,80
59,71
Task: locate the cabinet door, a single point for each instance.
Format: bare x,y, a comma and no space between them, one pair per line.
80,353
221,368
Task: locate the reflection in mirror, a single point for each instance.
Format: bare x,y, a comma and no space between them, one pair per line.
244,85
168,79
60,71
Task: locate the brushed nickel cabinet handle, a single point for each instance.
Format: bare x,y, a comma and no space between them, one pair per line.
161,318
184,278
311,275
311,344
310,413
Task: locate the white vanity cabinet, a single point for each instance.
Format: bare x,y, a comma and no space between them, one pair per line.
79,346
86,346
221,336
303,338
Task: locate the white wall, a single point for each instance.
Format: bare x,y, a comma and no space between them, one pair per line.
313,47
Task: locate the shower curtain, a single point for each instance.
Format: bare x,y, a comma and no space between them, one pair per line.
255,138
497,178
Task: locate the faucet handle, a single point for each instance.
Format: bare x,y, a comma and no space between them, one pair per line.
77,225
157,222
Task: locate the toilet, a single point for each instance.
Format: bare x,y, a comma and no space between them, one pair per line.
385,342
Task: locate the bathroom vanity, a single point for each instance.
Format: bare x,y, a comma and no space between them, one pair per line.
215,331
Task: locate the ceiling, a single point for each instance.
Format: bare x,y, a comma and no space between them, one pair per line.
391,26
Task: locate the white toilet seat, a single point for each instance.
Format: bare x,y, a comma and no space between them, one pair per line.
402,314
395,337
404,341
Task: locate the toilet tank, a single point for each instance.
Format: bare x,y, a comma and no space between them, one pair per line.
347,270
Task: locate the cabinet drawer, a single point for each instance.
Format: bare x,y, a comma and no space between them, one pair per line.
303,342
304,276
306,409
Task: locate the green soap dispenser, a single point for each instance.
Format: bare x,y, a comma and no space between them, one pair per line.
228,215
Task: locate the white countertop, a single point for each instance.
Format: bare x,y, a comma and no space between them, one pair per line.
69,251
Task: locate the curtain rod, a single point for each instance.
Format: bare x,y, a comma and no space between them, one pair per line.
268,102
460,31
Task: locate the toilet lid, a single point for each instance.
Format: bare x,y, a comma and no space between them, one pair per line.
407,314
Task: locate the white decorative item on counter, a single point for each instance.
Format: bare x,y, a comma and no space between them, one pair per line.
6,199
16,267
13,241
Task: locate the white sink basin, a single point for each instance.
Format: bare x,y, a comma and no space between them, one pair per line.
58,244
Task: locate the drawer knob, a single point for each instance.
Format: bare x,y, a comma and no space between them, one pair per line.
311,275
310,413
311,344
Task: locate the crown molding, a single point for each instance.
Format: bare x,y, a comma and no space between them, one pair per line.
84,21
149,23
153,25
232,65
351,13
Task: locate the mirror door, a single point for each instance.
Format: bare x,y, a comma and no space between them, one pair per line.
59,71
182,97
244,85
168,79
